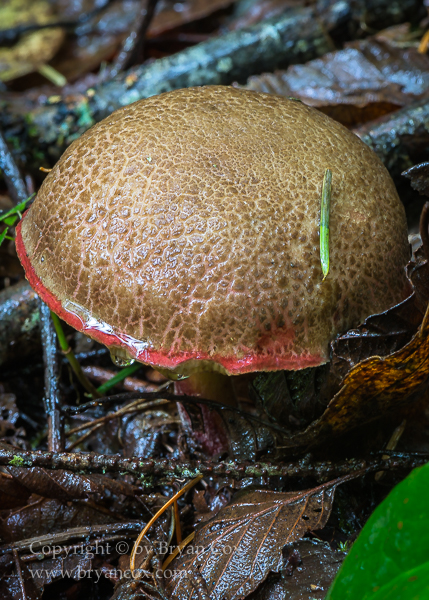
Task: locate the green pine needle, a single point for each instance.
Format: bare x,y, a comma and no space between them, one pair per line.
325,207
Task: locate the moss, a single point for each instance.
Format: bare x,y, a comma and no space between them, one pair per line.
17,461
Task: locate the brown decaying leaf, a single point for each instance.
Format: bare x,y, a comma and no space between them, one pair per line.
46,517
419,176
33,49
307,574
171,14
372,388
74,566
235,551
379,335
67,486
10,584
100,38
353,85
12,493
250,13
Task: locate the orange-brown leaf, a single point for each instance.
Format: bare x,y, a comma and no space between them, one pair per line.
372,388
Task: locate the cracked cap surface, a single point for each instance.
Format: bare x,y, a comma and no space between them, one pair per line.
186,227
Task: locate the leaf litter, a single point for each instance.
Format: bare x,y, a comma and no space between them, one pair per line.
236,550
366,80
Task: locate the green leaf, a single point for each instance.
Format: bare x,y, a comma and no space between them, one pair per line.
16,210
3,235
123,373
10,220
390,558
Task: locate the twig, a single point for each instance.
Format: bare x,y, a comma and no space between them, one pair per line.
85,533
136,406
132,48
173,469
52,391
15,183
19,573
183,398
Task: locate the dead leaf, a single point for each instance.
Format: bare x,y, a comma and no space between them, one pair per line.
10,583
249,13
308,571
142,433
136,590
419,176
372,388
12,493
46,517
33,49
235,551
171,14
47,571
101,37
379,335
353,85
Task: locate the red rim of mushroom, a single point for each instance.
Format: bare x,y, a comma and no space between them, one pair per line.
267,360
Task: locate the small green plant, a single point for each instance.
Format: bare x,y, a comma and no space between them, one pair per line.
344,546
10,217
16,461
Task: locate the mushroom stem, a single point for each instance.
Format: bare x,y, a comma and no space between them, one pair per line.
208,384
212,386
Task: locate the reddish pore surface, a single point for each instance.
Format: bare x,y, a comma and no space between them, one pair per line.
269,360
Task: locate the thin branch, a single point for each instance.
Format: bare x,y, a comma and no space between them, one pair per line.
173,469
57,540
19,573
14,181
52,391
132,47
162,395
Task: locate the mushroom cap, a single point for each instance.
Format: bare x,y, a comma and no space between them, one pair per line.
185,227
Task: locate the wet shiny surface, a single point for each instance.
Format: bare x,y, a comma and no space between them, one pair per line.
187,225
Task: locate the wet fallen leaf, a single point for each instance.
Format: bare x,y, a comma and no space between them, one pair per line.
236,551
11,584
12,493
362,82
249,13
43,573
132,590
292,398
45,517
33,49
171,14
379,335
419,176
372,388
142,434
309,569
100,37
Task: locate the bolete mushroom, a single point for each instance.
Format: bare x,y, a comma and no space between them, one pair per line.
183,231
